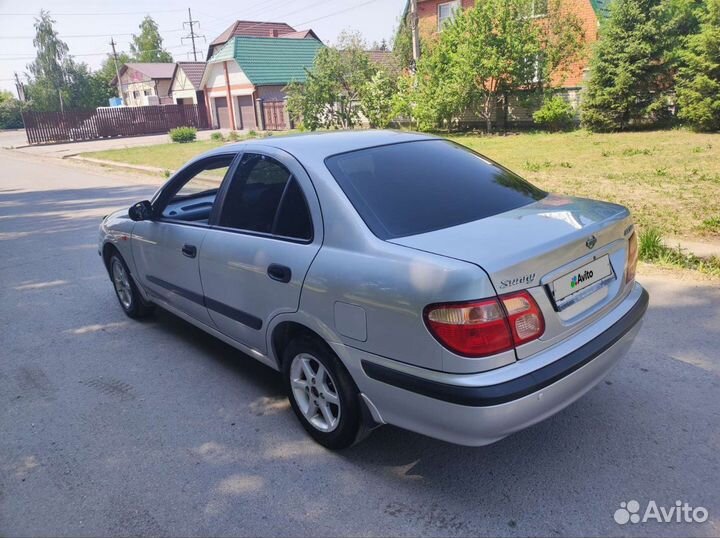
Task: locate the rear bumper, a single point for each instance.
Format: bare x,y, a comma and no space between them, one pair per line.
482,408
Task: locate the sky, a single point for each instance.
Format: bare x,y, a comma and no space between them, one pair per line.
87,26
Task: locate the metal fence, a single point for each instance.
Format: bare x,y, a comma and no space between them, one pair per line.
275,115
78,125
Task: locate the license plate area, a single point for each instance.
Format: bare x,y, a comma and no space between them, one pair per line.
575,285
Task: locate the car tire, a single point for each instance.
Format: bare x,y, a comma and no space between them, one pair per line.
319,386
126,291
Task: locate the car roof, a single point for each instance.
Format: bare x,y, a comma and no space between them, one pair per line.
318,146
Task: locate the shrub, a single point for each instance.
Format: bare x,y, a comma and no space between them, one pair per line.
376,100
652,249
10,111
556,114
183,134
651,246
216,137
252,134
233,136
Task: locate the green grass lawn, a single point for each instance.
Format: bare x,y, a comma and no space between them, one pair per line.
669,179
167,156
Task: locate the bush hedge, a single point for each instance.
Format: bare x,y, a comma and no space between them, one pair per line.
183,134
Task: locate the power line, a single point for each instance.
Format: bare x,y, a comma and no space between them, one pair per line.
192,35
91,54
74,36
336,12
93,13
305,8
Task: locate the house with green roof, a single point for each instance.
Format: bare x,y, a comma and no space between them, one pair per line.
248,75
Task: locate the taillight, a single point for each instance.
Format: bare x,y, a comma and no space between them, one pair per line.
632,258
486,327
524,317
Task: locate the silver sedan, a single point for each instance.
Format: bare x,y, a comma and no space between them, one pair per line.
392,278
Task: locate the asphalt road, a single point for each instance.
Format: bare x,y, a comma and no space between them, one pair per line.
114,427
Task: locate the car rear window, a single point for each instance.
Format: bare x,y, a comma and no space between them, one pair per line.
416,187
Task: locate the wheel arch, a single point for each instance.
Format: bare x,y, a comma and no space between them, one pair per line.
107,251
286,327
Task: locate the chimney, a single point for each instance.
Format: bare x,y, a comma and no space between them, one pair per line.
273,32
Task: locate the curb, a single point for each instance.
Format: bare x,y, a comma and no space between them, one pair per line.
116,164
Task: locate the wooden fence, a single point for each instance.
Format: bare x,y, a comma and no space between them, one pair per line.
78,125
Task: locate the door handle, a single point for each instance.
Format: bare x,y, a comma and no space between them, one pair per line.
278,272
189,250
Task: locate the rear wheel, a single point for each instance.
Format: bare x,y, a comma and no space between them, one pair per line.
322,394
127,293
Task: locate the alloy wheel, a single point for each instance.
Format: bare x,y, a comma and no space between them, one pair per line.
315,392
121,280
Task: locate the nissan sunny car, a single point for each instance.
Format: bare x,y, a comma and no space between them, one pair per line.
392,278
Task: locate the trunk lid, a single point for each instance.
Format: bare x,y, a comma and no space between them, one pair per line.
540,247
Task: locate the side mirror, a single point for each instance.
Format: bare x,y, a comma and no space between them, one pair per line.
140,211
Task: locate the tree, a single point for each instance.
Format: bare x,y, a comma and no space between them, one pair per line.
629,71
491,51
47,77
402,44
698,87
107,71
376,100
330,96
86,89
381,45
147,46
56,81
10,111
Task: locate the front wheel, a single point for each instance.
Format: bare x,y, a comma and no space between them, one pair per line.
322,394
127,293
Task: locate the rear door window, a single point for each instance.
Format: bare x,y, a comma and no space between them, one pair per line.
416,187
265,197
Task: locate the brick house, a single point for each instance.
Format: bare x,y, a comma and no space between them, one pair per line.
258,29
247,71
433,14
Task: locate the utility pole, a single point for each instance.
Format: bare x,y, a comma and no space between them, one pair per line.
191,24
117,70
414,31
19,88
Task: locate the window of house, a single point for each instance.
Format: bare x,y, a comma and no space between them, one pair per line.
538,8
446,12
265,197
147,92
534,68
136,94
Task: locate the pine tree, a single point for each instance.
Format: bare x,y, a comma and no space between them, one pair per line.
147,46
698,85
628,71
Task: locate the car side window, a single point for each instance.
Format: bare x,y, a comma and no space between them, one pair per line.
265,197
191,199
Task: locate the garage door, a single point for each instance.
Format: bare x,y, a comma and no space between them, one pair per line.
247,112
223,112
